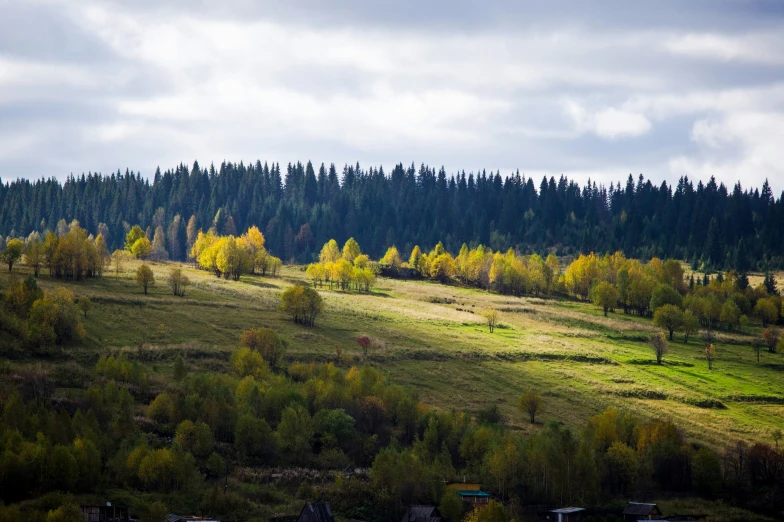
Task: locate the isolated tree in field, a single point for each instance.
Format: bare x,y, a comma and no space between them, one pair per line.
364,342
85,304
605,296
12,253
771,336
710,354
530,403
776,437
757,344
767,311
659,346
302,303
669,317
177,281
491,318
145,278
689,326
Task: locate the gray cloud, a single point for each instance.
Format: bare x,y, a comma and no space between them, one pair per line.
662,89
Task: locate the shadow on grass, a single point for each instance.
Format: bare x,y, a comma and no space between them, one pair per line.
260,284
651,362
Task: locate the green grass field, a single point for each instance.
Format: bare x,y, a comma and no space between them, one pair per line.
431,337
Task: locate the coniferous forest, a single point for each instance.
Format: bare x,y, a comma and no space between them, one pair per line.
299,207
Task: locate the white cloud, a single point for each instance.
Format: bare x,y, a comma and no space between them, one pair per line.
762,48
609,123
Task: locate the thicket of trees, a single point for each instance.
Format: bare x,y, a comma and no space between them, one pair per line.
228,256
347,268
41,319
185,439
299,207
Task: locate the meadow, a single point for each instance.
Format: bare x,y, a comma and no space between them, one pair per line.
432,338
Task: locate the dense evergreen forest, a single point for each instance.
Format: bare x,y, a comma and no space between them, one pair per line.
300,209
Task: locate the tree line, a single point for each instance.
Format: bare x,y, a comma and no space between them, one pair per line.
300,206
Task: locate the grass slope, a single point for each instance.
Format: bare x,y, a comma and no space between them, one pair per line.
431,337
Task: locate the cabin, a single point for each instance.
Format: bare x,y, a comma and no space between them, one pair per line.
568,514
470,493
107,513
422,514
316,512
641,511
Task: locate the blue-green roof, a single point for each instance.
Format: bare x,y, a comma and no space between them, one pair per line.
472,493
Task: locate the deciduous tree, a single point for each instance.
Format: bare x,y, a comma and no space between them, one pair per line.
659,346
145,278
530,403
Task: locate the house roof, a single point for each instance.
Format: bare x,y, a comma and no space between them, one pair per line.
640,508
472,493
316,512
422,514
567,510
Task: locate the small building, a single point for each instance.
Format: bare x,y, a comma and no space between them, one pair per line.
470,493
107,513
189,518
641,511
316,512
568,514
422,514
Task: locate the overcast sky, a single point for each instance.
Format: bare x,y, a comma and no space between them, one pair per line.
669,89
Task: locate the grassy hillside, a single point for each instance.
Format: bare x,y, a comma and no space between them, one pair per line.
431,338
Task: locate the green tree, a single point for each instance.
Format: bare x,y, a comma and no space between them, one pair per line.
689,325
707,472
12,253
669,317
65,513
195,438
266,341
295,434
253,438
622,465
665,294
767,311
85,304
144,277
530,403
451,506
605,296
156,512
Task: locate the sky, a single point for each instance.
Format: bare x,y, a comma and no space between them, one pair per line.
592,90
